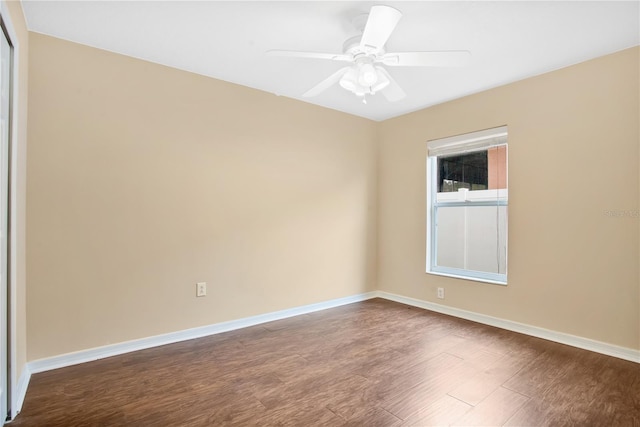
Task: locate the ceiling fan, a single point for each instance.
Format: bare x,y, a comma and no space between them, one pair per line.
365,75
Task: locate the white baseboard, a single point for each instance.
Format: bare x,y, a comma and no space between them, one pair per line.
20,391
559,337
96,353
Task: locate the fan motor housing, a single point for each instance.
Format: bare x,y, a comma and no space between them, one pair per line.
353,48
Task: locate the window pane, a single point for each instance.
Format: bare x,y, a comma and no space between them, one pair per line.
463,171
472,238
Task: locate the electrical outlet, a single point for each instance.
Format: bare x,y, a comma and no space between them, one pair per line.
441,293
201,289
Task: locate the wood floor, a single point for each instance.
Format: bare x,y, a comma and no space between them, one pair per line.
374,363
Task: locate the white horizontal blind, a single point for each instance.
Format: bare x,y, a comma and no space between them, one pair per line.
467,142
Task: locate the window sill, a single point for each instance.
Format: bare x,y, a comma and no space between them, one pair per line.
471,278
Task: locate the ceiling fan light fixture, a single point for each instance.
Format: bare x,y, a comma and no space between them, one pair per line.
381,81
349,80
367,75
354,81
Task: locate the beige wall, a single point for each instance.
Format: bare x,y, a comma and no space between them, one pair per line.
19,174
573,155
144,180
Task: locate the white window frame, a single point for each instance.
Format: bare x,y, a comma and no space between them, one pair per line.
461,144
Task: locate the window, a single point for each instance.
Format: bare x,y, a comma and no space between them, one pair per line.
467,197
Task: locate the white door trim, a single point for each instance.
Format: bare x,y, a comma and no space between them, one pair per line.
13,214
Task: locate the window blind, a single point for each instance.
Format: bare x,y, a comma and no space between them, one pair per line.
464,143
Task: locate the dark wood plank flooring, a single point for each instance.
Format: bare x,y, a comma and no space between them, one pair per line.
374,363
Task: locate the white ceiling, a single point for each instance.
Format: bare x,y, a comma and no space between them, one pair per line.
227,40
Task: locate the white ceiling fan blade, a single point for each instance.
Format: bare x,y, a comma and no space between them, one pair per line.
311,55
380,24
450,58
393,92
326,83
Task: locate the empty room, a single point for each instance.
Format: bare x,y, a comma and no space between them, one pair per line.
321,213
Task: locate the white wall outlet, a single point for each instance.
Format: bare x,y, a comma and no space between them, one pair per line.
201,289
441,293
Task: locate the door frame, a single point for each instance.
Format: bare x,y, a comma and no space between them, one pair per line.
12,252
